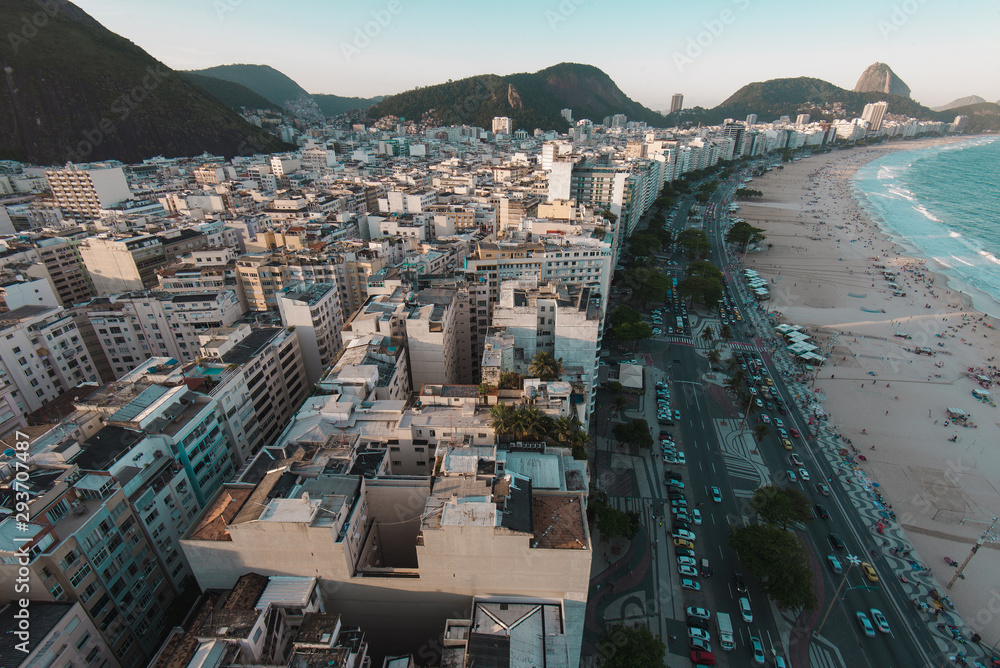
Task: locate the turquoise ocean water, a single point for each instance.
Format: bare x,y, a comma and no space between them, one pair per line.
943,205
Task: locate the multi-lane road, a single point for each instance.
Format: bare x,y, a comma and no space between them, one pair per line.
721,454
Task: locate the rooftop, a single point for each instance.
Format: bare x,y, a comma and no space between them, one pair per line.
249,347
104,447
559,523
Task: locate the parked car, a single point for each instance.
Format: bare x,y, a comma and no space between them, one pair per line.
689,571
698,613
688,583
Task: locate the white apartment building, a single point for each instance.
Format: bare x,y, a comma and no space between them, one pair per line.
502,125
564,320
82,191
313,310
132,327
118,264
43,355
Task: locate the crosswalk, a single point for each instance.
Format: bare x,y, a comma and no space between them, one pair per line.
680,340
749,347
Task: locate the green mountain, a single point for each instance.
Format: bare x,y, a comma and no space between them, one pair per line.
235,96
961,102
801,95
335,105
983,117
74,90
531,100
261,79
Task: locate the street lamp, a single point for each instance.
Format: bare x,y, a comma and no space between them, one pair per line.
851,562
991,534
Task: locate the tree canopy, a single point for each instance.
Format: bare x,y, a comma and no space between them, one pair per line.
747,193
695,242
780,563
624,646
634,432
743,234
545,367
702,290
781,505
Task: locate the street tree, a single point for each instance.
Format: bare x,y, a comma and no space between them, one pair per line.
779,561
623,646
781,505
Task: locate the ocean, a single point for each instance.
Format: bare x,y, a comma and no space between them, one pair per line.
941,203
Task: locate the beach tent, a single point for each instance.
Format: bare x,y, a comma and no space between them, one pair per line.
784,328
955,413
980,394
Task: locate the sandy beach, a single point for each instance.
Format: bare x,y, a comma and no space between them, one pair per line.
827,263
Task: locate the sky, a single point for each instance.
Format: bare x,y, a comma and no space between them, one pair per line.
706,50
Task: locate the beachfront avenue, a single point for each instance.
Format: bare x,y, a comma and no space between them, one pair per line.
719,454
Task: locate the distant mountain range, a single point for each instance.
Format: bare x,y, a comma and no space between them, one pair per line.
823,100
530,100
263,81
961,102
76,91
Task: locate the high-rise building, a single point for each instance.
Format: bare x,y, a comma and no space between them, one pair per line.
502,125
562,319
59,632
959,124
82,192
874,113
314,311
676,102
119,264
802,119
751,119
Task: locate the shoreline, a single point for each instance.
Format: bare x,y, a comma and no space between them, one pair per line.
988,304
825,261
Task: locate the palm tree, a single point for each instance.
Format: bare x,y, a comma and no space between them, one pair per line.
760,432
618,403
725,333
714,356
531,423
503,418
732,364
708,334
734,385
565,429
545,367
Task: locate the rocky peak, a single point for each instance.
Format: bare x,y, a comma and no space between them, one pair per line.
879,78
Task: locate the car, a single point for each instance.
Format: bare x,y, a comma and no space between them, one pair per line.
677,414
706,570
684,552
689,571
821,511
758,403
880,621
835,564
682,533
782,433
666,434
791,475
702,658
745,609
702,624
795,432
768,405
679,502
753,391
779,662
696,516
695,632
681,516
784,411
686,561
698,613
678,458
680,542
785,443
674,482
836,542
757,647
778,422
869,571
682,524
866,625
823,489
676,495
795,459
765,418
688,583
699,644
741,586
804,474
767,379
716,495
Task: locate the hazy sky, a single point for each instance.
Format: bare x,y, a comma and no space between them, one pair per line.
706,50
